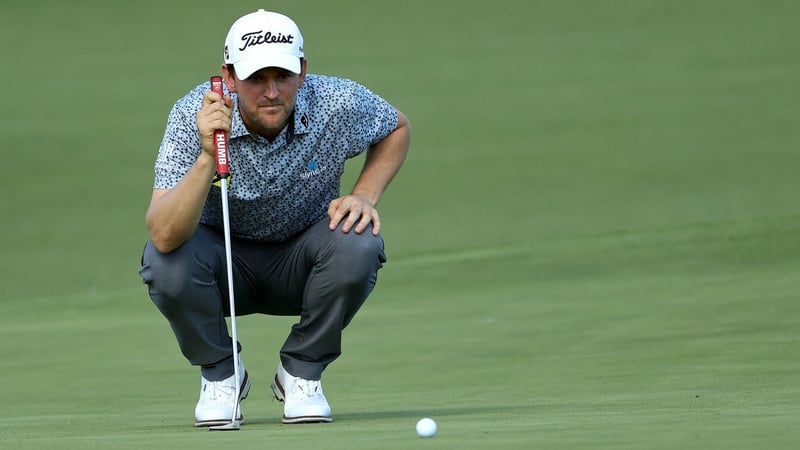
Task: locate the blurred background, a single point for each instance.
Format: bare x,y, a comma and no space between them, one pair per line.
530,119
599,208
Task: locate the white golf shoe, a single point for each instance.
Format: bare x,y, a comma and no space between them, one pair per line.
303,399
215,405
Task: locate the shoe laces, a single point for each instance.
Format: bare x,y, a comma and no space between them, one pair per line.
307,388
219,392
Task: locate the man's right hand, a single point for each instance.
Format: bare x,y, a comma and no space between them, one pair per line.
214,115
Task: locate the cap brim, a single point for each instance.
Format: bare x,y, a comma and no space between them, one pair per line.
249,66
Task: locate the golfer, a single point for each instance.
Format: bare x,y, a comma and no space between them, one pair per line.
299,247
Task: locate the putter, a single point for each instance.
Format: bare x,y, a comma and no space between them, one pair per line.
221,144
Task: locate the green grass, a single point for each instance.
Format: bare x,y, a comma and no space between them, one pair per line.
593,244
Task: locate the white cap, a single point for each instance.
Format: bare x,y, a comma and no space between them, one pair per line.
263,39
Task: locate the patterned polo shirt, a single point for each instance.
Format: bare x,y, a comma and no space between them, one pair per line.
280,188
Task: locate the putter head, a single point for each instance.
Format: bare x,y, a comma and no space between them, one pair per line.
233,425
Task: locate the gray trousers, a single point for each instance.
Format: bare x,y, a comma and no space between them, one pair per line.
322,276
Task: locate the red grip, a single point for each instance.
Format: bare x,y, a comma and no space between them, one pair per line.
220,136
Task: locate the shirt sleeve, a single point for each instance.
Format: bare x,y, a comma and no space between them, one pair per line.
180,147
374,118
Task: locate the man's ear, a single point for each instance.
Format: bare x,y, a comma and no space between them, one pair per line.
229,75
303,67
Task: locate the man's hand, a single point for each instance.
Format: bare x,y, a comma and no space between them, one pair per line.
214,115
356,210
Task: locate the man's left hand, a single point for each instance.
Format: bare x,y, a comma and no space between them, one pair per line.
356,210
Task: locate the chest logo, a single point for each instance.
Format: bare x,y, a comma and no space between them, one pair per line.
313,169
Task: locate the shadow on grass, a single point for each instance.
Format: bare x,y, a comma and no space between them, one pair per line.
405,414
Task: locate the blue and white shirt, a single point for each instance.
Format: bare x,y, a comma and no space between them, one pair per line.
280,188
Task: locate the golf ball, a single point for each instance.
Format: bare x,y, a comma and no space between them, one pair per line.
426,427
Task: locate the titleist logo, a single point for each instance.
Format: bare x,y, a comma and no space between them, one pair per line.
257,38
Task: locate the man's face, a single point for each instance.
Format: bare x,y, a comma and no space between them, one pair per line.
267,98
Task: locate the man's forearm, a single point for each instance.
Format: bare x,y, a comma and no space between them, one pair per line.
383,161
173,214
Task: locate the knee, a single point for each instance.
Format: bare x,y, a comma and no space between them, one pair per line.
364,245
170,275
359,256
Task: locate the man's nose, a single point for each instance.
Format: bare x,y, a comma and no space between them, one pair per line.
271,89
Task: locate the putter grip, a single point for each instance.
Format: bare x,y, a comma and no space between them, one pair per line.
220,136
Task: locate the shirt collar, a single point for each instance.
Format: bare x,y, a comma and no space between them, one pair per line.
237,124
302,119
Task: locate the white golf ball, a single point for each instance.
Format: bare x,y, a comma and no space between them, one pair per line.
426,427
